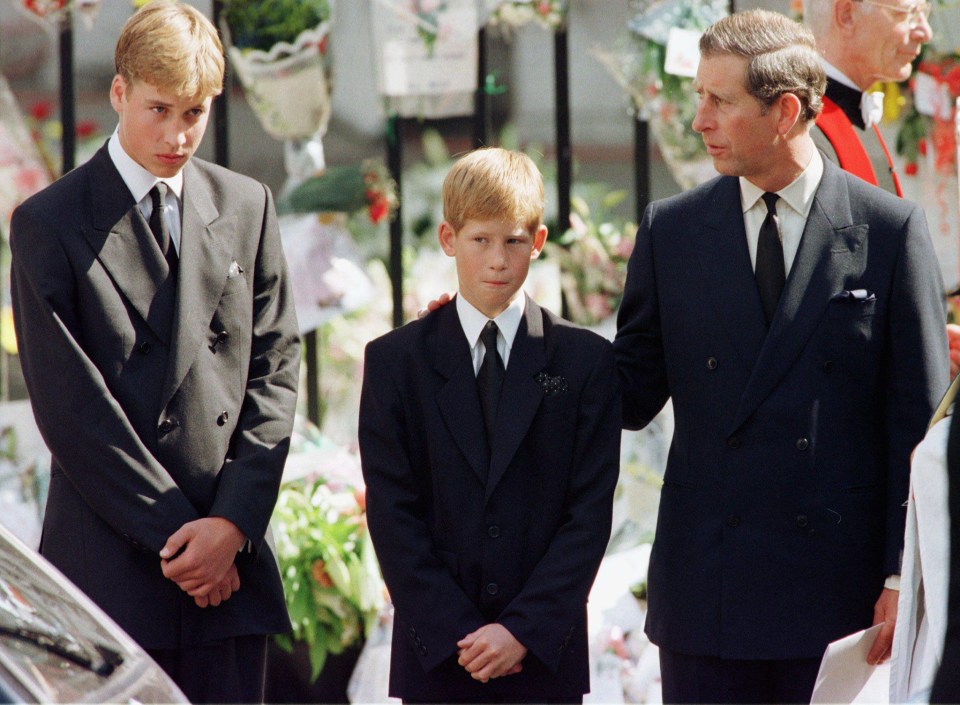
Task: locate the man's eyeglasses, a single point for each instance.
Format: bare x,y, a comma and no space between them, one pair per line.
915,13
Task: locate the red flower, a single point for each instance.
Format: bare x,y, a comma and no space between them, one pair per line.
86,128
322,46
41,110
910,169
379,208
922,147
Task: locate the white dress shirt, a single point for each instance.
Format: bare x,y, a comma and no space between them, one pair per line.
472,322
140,182
793,207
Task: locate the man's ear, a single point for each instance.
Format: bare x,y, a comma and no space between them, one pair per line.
448,239
843,15
790,110
539,240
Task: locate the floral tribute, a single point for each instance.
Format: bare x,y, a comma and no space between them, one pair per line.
331,580
346,189
512,14
920,134
666,100
593,259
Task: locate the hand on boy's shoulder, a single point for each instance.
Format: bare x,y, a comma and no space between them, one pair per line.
436,303
490,652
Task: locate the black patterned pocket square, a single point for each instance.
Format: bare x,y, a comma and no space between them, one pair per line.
550,386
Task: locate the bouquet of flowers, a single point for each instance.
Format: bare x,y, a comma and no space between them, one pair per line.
593,260
331,580
346,189
511,14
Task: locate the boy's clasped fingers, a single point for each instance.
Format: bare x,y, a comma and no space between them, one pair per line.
491,652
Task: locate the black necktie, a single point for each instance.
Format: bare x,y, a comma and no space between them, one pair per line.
770,271
490,377
158,224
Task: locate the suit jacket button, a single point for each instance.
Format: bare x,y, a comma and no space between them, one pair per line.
144,348
222,418
168,425
802,444
733,442
493,531
802,521
711,363
827,366
733,521
492,588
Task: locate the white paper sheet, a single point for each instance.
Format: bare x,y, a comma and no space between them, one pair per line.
846,677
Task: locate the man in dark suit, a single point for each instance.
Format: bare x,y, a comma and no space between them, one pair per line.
160,350
490,514
794,315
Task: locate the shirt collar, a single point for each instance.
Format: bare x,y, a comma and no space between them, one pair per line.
838,75
138,179
472,321
798,195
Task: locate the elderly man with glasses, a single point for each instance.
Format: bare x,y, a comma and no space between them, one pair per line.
862,42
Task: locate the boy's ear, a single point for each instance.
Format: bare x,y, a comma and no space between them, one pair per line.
117,90
539,240
448,237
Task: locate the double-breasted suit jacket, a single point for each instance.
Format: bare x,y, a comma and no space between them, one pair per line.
467,536
160,403
782,508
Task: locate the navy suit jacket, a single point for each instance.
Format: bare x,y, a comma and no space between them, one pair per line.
467,537
160,404
782,507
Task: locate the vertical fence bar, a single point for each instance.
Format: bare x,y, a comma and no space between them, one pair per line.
221,114
481,102
68,98
564,150
641,163
395,165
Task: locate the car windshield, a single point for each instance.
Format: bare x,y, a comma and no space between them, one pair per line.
53,645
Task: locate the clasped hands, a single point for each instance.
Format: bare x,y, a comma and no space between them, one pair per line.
199,558
490,652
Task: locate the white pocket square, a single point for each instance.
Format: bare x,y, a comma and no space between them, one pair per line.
234,270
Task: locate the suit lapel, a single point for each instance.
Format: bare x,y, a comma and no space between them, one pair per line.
205,251
721,247
830,239
458,399
521,395
126,248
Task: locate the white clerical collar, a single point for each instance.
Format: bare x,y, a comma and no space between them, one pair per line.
838,75
138,179
798,194
472,321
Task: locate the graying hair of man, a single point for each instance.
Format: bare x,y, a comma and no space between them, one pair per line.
781,57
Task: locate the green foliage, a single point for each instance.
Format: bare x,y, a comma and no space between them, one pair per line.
330,577
259,24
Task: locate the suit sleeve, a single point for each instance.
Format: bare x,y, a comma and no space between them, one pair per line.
421,586
543,615
638,346
81,422
917,368
250,478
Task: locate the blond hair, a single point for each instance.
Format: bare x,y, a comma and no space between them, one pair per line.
781,57
171,46
494,183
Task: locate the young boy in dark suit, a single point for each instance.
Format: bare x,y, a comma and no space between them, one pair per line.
489,437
